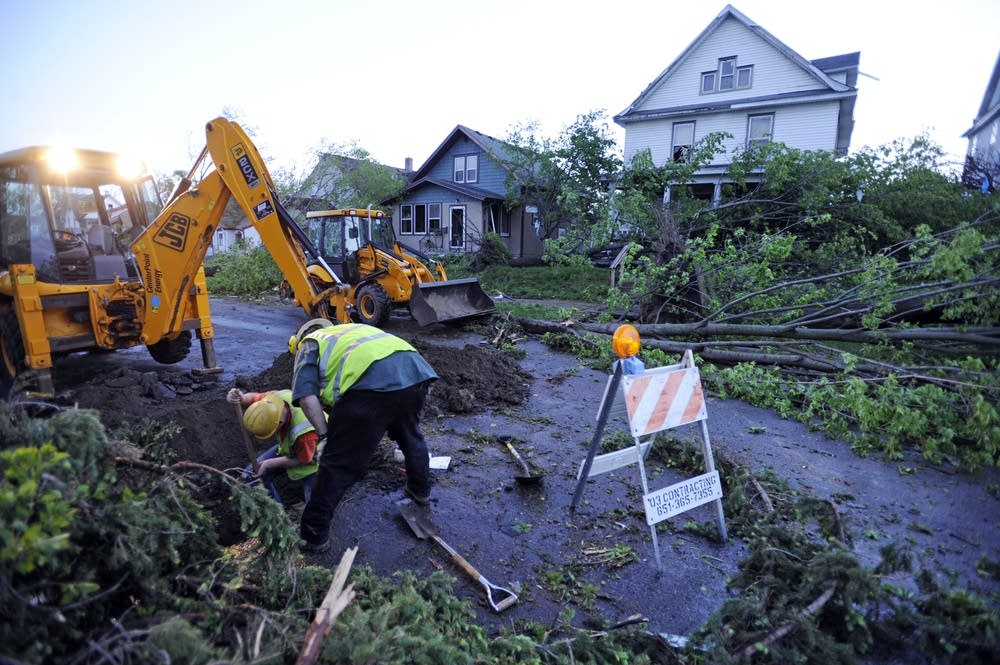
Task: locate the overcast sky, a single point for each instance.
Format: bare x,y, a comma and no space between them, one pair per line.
395,77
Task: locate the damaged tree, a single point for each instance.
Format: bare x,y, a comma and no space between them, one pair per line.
859,294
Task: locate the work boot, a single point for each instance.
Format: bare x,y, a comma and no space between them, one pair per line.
316,548
419,499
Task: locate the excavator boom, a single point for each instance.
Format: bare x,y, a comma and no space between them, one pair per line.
170,250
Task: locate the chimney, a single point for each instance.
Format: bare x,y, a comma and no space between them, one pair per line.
408,164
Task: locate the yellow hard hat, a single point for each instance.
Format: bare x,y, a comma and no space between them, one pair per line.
309,326
263,416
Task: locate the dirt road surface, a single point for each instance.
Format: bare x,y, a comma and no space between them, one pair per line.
520,535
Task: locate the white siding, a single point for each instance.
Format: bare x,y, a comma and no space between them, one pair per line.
773,73
811,126
984,145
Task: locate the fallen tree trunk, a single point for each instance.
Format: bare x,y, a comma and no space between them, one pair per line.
974,337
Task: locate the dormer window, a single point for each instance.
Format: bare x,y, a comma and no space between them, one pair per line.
467,168
728,76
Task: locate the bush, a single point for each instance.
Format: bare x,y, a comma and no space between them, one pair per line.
246,269
492,252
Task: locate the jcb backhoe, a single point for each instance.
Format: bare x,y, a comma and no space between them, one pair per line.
382,273
91,260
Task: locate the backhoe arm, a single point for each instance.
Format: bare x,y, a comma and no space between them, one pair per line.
171,250
241,167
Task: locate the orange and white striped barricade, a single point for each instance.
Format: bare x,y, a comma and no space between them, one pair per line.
653,401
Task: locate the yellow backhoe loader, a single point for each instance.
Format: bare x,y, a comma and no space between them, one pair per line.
90,259
382,273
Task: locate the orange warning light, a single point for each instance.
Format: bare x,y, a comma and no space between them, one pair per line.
625,341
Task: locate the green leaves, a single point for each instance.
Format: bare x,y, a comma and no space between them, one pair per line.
37,514
244,270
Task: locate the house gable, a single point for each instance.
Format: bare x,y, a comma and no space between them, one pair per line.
490,153
463,184
735,70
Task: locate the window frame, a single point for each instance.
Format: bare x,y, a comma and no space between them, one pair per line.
456,226
406,219
465,168
748,69
419,219
752,142
731,60
684,157
433,219
714,81
711,87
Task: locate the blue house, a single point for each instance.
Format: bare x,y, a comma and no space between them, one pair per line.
458,195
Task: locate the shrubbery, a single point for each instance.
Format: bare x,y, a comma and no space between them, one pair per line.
245,270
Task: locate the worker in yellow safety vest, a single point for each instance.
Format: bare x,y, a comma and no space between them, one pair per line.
299,448
369,383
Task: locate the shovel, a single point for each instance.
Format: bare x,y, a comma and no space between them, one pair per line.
423,528
528,478
251,453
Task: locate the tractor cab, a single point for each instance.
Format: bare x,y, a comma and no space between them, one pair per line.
341,234
72,214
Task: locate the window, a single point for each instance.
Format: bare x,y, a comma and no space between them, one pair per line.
456,238
708,82
683,139
727,71
467,168
498,219
728,76
420,218
434,217
759,129
744,75
406,219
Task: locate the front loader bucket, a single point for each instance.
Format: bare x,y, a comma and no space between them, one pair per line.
452,300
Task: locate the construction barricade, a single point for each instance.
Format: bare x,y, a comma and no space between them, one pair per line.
652,401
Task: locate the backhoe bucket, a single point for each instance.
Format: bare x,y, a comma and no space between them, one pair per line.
452,300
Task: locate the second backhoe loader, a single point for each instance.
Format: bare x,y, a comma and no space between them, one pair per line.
382,273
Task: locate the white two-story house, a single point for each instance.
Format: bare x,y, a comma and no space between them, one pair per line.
738,78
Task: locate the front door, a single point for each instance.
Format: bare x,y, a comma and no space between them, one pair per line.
457,234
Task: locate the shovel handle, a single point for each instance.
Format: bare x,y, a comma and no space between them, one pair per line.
509,596
518,457
251,453
459,559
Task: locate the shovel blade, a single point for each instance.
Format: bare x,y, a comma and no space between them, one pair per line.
413,518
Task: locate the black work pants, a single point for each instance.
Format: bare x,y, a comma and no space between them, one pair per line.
358,420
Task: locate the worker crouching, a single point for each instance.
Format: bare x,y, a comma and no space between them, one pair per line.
299,447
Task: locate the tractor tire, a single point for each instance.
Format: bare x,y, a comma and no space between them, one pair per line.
170,351
372,305
12,360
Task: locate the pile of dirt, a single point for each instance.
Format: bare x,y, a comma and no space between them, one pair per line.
471,378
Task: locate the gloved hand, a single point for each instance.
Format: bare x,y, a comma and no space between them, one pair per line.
234,396
320,447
